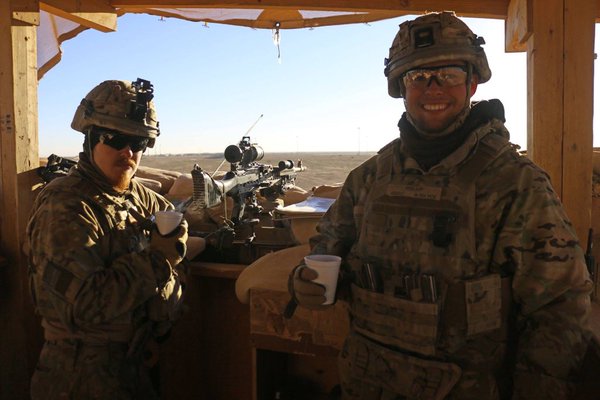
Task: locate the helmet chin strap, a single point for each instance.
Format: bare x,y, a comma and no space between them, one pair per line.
89,142
468,84
90,146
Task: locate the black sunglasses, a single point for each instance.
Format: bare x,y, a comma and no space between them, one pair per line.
118,141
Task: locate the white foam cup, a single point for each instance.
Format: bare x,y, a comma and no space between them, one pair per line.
167,221
328,268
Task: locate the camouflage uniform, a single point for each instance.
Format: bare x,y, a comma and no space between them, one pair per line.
101,292
511,282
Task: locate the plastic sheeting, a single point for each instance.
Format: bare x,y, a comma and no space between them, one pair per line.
53,30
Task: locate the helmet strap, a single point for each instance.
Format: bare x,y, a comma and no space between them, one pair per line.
91,140
468,85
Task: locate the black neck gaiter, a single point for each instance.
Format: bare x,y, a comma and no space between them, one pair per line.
430,151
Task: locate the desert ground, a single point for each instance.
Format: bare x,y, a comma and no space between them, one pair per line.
321,168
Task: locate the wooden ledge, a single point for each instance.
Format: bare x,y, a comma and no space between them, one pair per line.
595,319
216,270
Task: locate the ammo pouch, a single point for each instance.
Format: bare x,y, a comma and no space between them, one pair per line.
397,322
464,309
364,361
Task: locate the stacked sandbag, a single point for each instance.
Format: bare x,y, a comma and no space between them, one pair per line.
327,191
164,177
271,271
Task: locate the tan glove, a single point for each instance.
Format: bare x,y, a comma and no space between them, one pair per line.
171,246
168,303
307,293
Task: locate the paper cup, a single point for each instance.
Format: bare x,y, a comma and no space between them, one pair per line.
167,221
328,268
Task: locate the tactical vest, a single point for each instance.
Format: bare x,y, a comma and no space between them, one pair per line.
118,235
418,285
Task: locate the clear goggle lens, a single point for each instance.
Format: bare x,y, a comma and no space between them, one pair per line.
445,76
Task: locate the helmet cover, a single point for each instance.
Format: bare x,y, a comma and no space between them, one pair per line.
431,38
122,106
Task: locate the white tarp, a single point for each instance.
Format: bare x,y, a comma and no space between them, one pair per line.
54,30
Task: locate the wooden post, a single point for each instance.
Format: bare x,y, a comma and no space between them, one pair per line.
578,109
545,88
560,101
19,155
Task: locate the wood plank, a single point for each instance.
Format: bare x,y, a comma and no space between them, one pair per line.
216,270
518,26
24,5
81,6
468,8
307,332
208,355
578,125
545,89
98,14
29,18
596,253
19,154
26,11
595,320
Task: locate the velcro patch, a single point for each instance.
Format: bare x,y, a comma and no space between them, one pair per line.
61,281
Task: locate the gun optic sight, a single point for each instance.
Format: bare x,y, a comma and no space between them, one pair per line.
244,152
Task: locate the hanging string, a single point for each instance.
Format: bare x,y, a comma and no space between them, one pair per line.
277,40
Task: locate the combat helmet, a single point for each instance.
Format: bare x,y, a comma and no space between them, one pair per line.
123,106
430,38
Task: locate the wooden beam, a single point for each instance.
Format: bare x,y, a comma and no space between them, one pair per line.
545,88
518,26
467,8
578,111
81,6
560,67
19,156
27,11
95,14
24,5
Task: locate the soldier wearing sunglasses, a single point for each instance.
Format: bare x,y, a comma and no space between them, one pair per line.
103,279
463,274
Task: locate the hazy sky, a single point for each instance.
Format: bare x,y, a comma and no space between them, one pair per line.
327,92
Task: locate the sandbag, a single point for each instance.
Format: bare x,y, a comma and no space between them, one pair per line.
271,271
328,191
165,177
182,188
294,194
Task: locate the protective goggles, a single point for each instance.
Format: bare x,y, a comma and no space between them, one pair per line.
119,142
445,76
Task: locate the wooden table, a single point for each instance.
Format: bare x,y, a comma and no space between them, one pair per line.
225,350
297,355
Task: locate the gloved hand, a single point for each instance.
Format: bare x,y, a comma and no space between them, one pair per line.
171,246
167,305
306,292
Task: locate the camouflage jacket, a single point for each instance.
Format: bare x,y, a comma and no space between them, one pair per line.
91,272
521,231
